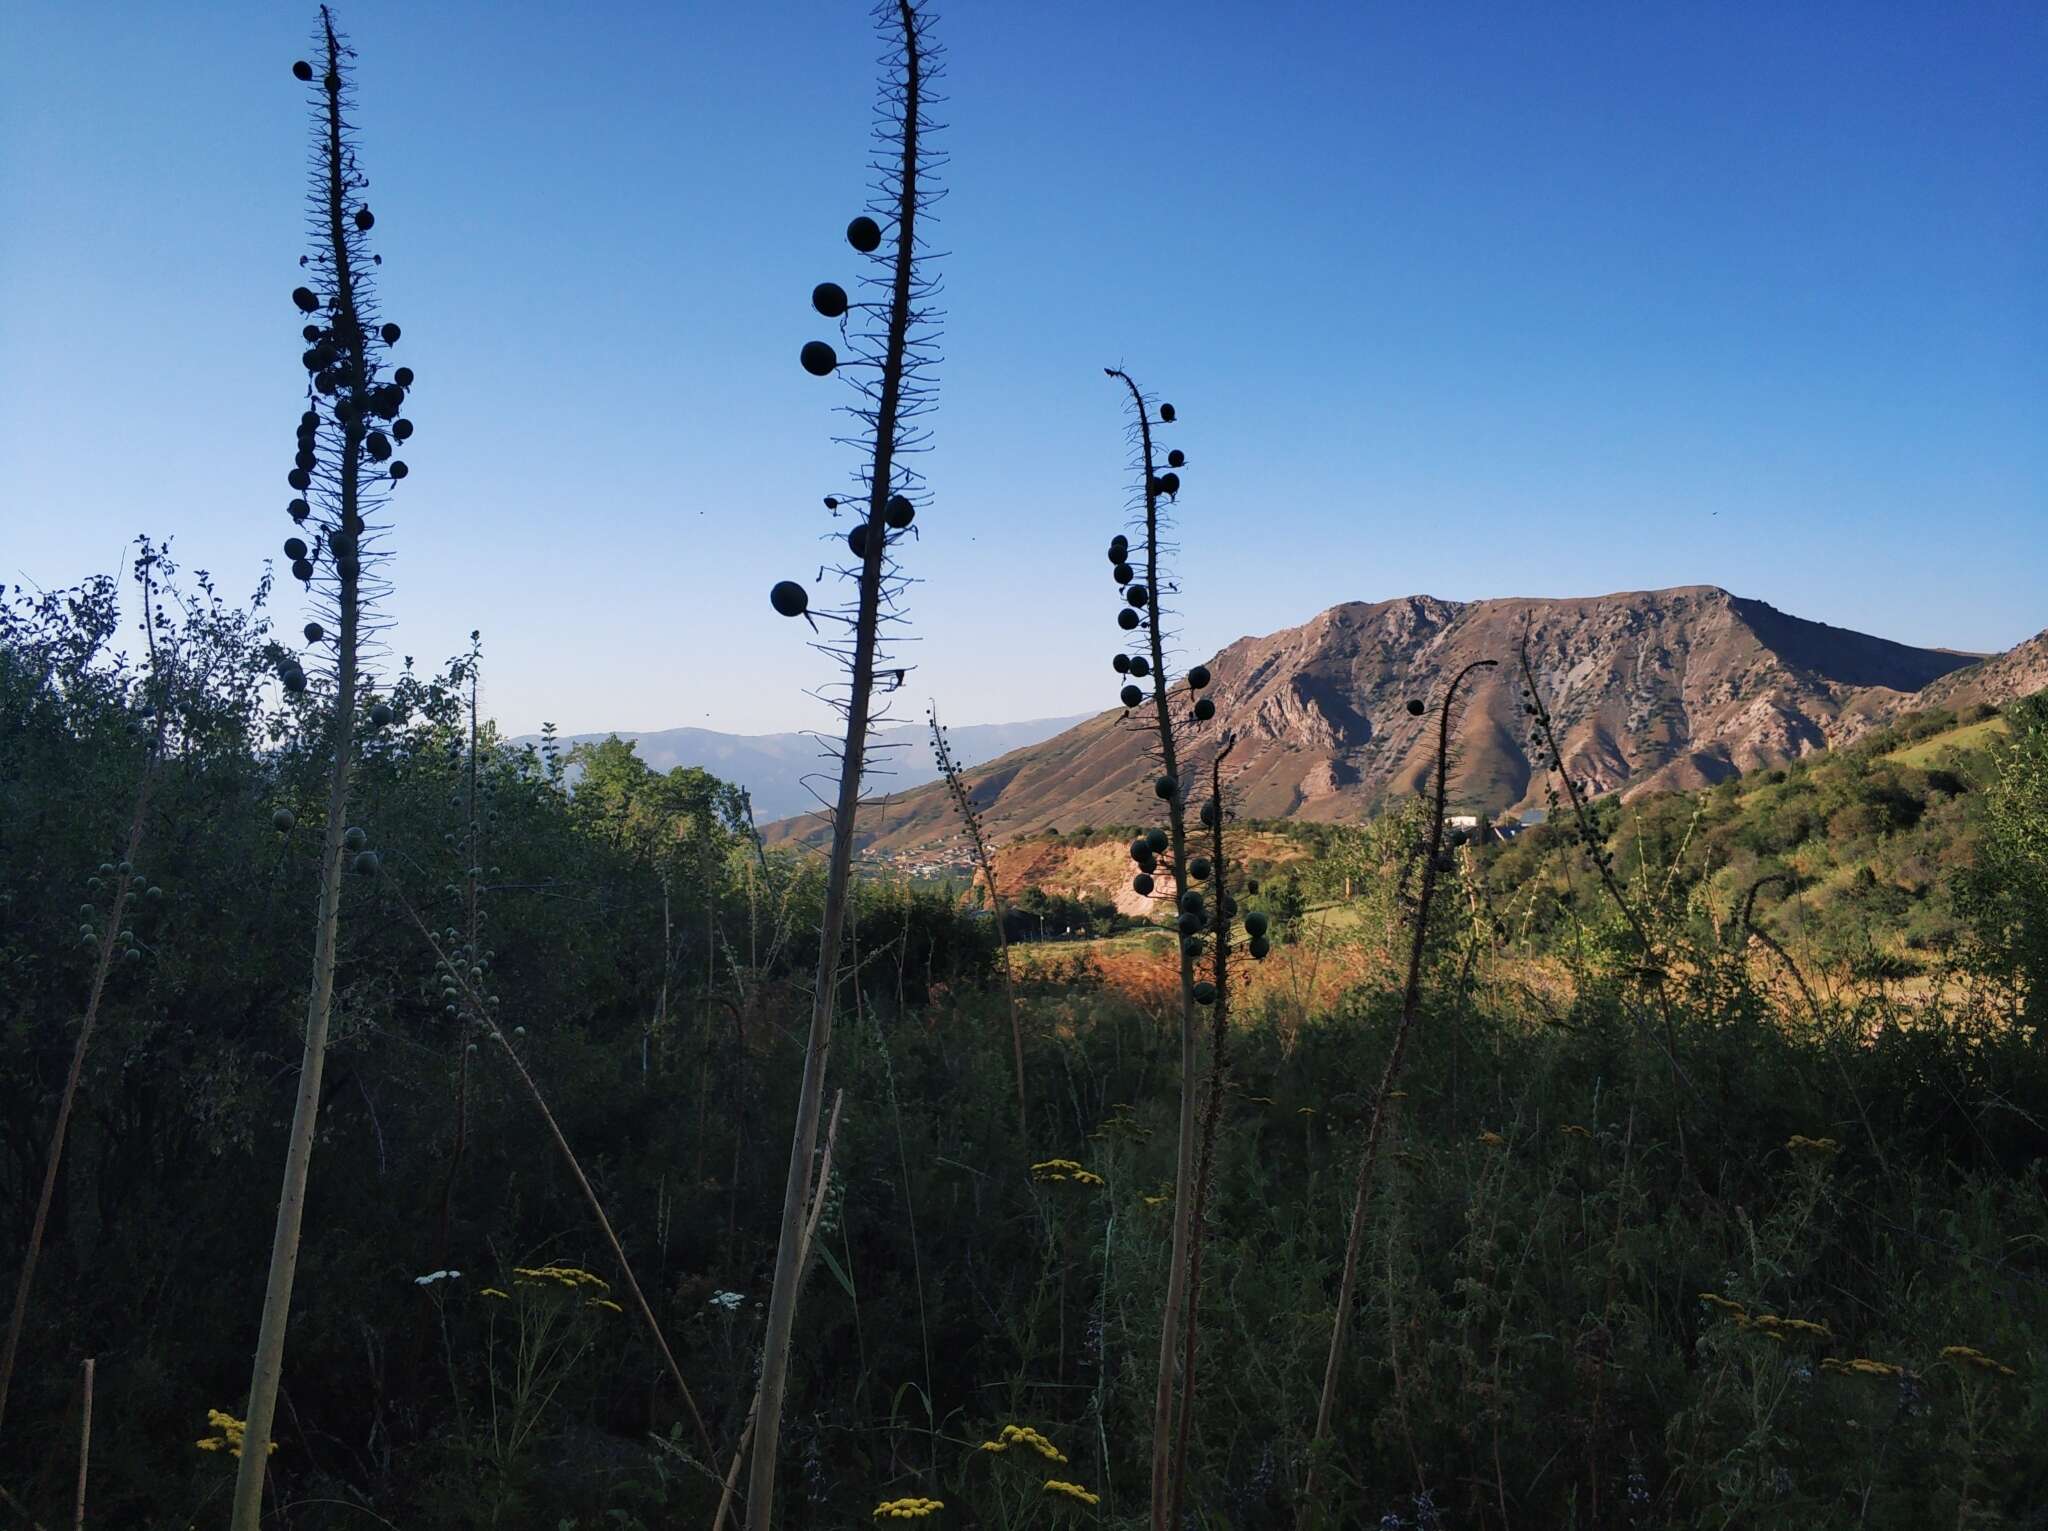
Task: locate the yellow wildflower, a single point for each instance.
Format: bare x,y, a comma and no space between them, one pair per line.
1968,1355
1071,1490
1799,1143
1727,1305
1064,1169
491,1291
568,1276
1493,1140
231,1432
908,1509
1862,1366
1024,1435
1304,1110
1573,1130
604,1302
1397,1095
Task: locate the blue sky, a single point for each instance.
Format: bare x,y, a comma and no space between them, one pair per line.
1475,300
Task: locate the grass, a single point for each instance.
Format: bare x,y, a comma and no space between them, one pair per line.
1925,754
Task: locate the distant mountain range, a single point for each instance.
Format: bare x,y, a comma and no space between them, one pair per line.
1650,689
772,767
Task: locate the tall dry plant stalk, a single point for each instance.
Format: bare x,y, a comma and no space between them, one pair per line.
970,820
343,475
891,338
1411,1007
156,718
1144,611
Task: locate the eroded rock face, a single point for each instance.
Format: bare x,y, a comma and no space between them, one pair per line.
1658,688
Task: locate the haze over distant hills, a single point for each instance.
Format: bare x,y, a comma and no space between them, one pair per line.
773,766
1650,689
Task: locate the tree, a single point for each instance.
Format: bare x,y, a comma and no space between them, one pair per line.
2004,896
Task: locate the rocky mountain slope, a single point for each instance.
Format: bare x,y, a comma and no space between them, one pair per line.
1651,689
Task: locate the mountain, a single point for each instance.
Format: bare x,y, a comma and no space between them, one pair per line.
1995,679
1650,689
772,766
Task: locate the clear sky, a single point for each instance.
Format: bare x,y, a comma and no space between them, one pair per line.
1472,300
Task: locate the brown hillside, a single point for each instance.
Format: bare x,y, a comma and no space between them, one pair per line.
1661,688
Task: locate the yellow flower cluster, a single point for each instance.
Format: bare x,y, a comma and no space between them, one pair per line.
1304,1110
1063,1169
1801,1144
562,1275
604,1302
1159,1200
908,1509
1072,1491
1862,1366
1493,1140
502,1296
1971,1357
230,1437
1575,1131
1768,1324
1024,1435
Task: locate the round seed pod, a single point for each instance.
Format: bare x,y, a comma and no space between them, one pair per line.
1192,945
829,299
1176,458
401,430
1166,413
1142,884
303,296
304,460
377,445
864,234
399,470
857,539
1140,666
314,631
1204,710
316,357
294,549
1227,904
366,863
1205,993
1121,664
1415,707
1191,901
1131,696
1256,921
1251,885
126,868
355,839
1156,841
331,81
302,570
312,332
1127,619
1260,948
388,401
390,332
1146,862
1198,868
1198,677
831,502
1119,548
154,895
302,70
299,479
900,512
1189,924
87,911
402,377
789,598
380,714
1169,483
365,220
818,358
87,934
1165,788
1123,574
1141,848
342,545
1209,814
283,820
1137,595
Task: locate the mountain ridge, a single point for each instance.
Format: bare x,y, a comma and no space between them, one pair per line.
1650,689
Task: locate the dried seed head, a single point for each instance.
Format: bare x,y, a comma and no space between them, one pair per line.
299,510
302,70
1132,696
1205,993
365,220
1119,548
1169,484
365,863
1204,710
829,299
401,430
1198,869
1140,666
399,470
390,332
1165,788
1142,884
1198,677
402,377
1123,574
299,479
1176,458
283,820
355,839
1256,922
1415,707
380,714
1137,595
1156,840
1166,413
1121,664
864,234
789,598
314,632
900,512
1127,619
1260,948
303,296
818,358
294,549
302,570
